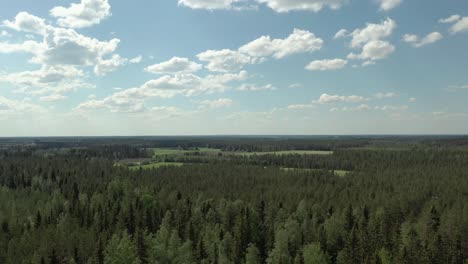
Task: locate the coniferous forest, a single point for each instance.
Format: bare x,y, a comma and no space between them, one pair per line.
301,200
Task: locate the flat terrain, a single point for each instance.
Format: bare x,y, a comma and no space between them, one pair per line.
156,165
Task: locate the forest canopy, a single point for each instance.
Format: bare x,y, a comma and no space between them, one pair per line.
234,200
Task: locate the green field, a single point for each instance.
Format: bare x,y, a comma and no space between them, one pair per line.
156,165
210,151
340,173
286,152
170,151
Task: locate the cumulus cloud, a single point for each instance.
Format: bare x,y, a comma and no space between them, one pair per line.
4,34
372,32
366,108
299,41
62,47
280,6
410,38
247,87
25,22
167,86
341,34
300,106
136,60
47,80
15,107
84,14
450,19
28,46
374,50
371,41
104,66
325,65
218,4
226,60
386,5
330,99
385,95
174,65
459,24
417,42
52,98
215,104
391,108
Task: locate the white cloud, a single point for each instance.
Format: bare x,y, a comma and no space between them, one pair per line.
386,5
46,79
457,87
28,46
215,104
4,34
330,99
374,50
226,60
300,106
52,98
371,41
325,65
372,32
132,99
450,19
174,65
216,4
300,41
341,34
366,108
282,6
390,108
25,22
61,47
367,63
410,38
136,60
359,108
412,100
417,43
104,66
296,85
84,14
459,24
15,107
253,87
385,95
66,46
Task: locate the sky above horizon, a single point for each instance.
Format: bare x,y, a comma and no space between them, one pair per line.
214,67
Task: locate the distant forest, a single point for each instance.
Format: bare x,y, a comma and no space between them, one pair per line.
397,199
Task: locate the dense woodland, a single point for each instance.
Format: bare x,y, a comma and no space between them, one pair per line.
404,201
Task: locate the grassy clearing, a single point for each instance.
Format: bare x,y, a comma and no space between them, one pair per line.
168,151
212,151
156,165
340,173
286,152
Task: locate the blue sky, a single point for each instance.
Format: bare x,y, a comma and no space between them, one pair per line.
203,67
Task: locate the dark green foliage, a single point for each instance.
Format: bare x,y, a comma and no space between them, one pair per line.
396,206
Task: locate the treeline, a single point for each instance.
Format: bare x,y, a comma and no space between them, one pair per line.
394,207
